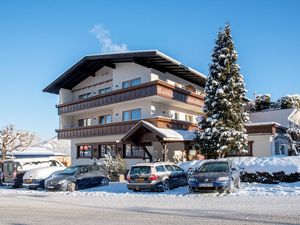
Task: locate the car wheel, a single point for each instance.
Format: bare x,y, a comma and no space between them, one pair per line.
105,181
166,185
71,187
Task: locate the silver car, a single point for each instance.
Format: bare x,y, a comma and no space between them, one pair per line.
155,176
216,175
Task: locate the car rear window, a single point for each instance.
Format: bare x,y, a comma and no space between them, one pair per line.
140,170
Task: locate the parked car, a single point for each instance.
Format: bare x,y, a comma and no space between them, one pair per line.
155,176
35,178
14,169
78,177
215,175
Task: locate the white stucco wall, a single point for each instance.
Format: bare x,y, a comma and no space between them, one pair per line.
172,79
262,144
65,96
159,109
129,71
89,84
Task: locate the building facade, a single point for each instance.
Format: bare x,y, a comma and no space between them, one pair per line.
267,132
141,105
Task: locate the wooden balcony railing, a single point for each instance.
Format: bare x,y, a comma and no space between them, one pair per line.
158,87
121,128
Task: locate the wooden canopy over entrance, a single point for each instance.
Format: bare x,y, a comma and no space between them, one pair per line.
144,134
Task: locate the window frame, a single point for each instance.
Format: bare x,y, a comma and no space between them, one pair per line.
83,156
130,82
130,114
105,90
85,122
85,95
132,149
105,118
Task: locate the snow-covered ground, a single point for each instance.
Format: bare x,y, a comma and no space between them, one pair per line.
120,189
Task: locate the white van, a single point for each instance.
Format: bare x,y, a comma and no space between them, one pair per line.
14,169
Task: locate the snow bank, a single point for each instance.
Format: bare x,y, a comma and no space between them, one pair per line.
288,164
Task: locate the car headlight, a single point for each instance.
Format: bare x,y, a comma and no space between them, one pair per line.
192,179
223,179
62,182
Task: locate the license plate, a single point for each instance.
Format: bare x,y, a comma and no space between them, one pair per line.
29,181
139,179
206,185
50,187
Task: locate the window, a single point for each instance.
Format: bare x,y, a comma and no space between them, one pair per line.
277,144
85,122
104,119
84,151
134,114
130,83
107,150
175,116
169,168
105,90
160,169
134,151
83,96
189,118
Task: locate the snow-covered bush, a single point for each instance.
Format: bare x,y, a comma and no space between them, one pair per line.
115,165
222,128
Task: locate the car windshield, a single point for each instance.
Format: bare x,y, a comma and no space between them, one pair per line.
69,171
140,170
214,167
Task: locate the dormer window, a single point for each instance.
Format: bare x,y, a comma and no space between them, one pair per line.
86,95
105,90
130,83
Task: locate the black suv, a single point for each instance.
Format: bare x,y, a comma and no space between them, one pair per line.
77,177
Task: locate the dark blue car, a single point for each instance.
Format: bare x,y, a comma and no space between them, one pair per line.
78,177
215,175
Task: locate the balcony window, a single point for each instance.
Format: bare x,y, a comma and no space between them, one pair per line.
134,151
83,96
189,118
84,151
175,116
105,119
130,83
84,122
134,114
105,90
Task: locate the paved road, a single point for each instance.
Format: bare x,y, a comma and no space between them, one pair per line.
119,210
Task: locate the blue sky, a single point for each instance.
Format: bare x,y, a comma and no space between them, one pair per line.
39,40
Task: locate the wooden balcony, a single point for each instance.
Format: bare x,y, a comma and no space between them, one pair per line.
121,128
159,88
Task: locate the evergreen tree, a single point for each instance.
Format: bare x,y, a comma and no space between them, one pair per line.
222,129
263,102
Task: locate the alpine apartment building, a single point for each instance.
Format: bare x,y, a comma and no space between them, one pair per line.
142,105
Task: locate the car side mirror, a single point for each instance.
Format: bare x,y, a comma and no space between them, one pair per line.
233,169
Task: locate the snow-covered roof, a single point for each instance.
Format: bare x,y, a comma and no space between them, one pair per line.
165,133
279,116
262,124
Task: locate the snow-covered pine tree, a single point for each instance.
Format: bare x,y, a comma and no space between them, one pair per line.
222,129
